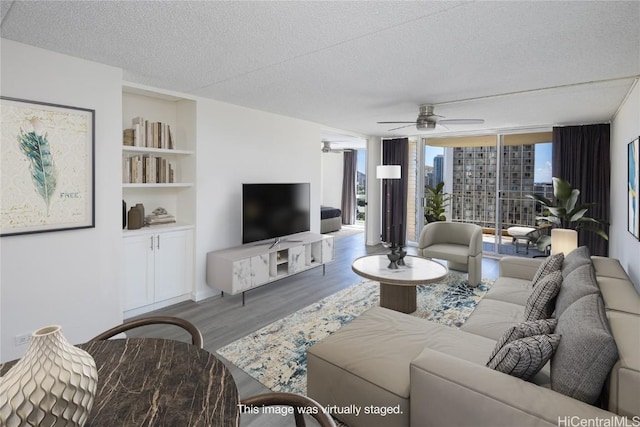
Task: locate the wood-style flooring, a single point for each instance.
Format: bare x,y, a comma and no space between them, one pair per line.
223,320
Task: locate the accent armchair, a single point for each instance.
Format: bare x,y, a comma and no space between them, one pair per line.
460,244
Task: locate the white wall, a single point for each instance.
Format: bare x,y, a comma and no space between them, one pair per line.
373,214
332,172
68,278
237,145
624,129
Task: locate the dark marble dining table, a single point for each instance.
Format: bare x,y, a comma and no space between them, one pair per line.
157,382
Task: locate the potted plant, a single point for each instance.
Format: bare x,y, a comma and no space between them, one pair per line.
564,213
435,203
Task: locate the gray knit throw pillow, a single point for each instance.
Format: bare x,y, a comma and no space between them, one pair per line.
541,301
587,352
523,358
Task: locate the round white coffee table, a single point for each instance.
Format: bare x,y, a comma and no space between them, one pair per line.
398,287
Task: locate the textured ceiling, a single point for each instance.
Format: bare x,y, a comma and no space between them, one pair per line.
348,65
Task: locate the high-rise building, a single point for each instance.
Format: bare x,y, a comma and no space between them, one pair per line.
474,185
438,168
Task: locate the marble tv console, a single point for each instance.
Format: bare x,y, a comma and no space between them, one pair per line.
239,269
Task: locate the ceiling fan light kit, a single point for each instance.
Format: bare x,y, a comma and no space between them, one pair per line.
427,120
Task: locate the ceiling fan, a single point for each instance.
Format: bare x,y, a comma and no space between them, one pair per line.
326,148
427,120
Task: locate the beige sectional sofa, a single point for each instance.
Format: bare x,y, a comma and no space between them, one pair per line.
391,369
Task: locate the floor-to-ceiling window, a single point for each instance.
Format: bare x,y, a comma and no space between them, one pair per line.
488,178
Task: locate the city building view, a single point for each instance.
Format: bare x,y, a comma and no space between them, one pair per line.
524,169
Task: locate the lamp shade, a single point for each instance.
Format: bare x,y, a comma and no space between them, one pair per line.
563,240
388,172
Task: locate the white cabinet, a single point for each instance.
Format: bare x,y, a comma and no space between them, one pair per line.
157,269
237,270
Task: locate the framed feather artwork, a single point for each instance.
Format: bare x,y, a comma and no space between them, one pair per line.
47,178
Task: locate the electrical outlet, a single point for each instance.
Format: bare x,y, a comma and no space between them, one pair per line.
22,339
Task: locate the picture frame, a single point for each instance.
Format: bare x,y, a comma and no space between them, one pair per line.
633,188
47,167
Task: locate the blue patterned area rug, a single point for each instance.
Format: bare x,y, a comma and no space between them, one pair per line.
276,354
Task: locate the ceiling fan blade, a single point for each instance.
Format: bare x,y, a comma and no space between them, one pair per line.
461,121
402,127
390,123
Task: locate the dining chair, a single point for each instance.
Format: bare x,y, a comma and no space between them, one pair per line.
196,335
296,401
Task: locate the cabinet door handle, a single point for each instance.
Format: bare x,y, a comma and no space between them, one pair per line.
158,242
151,243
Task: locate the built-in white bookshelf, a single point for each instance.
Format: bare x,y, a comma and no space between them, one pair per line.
174,188
158,260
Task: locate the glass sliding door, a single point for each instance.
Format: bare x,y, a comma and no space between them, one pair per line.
488,178
525,169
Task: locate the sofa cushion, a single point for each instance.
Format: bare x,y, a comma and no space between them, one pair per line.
449,251
587,351
580,282
379,345
522,330
524,357
619,295
508,289
575,259
549,265
491,318
540,303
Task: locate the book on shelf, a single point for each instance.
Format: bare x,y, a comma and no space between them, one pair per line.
128,137
150,134
154,219
147,169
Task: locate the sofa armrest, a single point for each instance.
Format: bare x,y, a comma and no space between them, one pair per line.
447,390
518,267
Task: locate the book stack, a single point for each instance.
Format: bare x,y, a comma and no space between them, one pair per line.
148,134
147,169
159,217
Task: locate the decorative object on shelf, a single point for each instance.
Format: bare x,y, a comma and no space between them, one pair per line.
435,203
140,208
633,187
124,214
54,384
54,189
160,216
390,172
136,217
562,213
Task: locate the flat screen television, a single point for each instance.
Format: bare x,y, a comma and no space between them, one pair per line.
272,211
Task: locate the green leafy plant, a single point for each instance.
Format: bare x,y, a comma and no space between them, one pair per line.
436,202
564,212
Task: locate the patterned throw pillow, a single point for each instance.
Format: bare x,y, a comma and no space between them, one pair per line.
541,301
523,330
523,358
549,265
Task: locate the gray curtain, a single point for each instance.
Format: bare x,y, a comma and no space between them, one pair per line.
581,155
349,188
394,211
